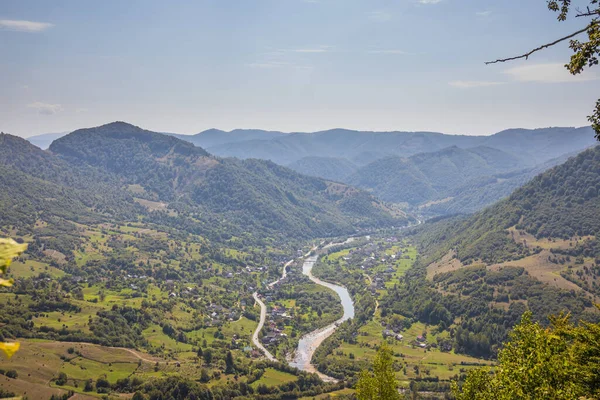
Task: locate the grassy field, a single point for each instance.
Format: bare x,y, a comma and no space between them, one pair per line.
414,361
38,363
272,377
155,336
31,268
430,362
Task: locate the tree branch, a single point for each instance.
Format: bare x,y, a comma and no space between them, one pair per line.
587,13
526,55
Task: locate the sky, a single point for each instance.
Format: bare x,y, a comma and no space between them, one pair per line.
288,65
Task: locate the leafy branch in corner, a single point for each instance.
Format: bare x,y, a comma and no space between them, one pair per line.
586,53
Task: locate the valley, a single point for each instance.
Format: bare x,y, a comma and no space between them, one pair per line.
152,263
299,200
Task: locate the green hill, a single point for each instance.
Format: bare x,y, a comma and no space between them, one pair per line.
537,250
335,169
430,176
250,196
560,203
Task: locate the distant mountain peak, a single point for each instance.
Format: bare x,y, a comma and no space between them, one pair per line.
212,131
86,143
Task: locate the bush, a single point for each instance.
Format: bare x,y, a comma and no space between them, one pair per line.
62,379
11,373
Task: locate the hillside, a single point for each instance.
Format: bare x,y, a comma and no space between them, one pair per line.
540,145
335,169
431,176
259,196
537,250
341,143
216,137
561,203
40,189
484,191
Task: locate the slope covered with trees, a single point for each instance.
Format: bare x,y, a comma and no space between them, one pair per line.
537,250
560,203
431,176
335,169
259,196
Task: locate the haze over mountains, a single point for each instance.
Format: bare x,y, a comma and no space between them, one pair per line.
439,174
118,168
362,147
435,173
44,140
129,209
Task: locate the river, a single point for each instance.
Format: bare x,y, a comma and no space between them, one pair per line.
309,343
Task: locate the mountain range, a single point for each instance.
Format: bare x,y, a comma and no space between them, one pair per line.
121,170
433,173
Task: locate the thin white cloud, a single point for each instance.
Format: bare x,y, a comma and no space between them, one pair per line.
483,13
278,64
24,26
473,84
389,51
268,64
318,49
278,53
430,1
380,16
45,108
548,73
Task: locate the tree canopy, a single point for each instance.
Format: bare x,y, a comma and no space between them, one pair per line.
559,362
381,383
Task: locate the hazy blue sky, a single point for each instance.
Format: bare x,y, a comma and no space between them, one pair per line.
291,65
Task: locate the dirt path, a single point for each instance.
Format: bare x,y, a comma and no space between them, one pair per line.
138,355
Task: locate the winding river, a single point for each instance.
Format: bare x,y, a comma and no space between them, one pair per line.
309,343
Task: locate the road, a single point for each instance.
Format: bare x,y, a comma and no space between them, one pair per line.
311,341
261,323
283,274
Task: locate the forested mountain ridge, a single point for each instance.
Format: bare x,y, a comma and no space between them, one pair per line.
560,203
499,163
430,176
341,143
466,176
484,191
537,145
96,190
215,137
335,169
136,155
537,250
362,147
254,194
